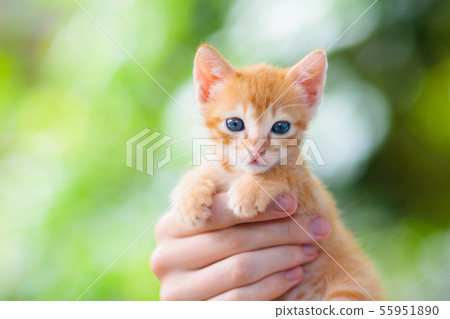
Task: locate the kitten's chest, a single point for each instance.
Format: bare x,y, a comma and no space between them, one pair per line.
224,181
223,177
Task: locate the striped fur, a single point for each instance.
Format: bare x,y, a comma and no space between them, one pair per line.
261,95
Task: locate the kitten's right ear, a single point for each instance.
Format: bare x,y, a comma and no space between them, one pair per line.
210,69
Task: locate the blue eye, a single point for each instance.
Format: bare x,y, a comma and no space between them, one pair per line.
235,124
281,127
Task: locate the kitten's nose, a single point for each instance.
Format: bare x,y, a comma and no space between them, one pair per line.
259,152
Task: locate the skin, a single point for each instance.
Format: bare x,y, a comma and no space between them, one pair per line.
231,258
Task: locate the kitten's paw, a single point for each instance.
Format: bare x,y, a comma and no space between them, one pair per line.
262,200
193,211
246,198
240,204
193,206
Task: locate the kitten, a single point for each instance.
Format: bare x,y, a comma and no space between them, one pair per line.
259,113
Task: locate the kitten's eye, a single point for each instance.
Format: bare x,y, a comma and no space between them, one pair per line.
281,127
235,124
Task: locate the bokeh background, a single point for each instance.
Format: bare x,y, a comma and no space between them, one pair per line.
70,98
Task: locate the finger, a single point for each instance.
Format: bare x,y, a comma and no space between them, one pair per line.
222,217
213,246
239,270
268,288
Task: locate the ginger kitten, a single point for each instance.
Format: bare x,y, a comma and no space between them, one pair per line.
259,114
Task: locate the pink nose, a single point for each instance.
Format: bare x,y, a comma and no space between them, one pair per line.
258,153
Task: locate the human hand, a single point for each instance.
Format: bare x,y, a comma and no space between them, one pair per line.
231,258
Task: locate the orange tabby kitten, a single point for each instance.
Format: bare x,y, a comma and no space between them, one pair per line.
260,113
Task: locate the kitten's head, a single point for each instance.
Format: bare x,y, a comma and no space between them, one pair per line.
259,110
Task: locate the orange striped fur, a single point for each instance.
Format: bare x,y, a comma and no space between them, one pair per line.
261,95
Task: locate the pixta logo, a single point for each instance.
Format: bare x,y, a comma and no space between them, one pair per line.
141,148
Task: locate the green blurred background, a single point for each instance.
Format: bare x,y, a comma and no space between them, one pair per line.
70,98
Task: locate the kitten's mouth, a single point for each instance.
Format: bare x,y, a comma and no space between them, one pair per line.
255,162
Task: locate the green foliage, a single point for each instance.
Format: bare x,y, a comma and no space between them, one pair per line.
70,98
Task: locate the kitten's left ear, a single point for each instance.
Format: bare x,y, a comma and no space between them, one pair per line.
210,69
309,74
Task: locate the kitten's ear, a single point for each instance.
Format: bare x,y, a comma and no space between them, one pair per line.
309,74
210,69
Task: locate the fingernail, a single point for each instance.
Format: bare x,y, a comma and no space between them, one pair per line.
320,226
309,250
293,274
286,203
